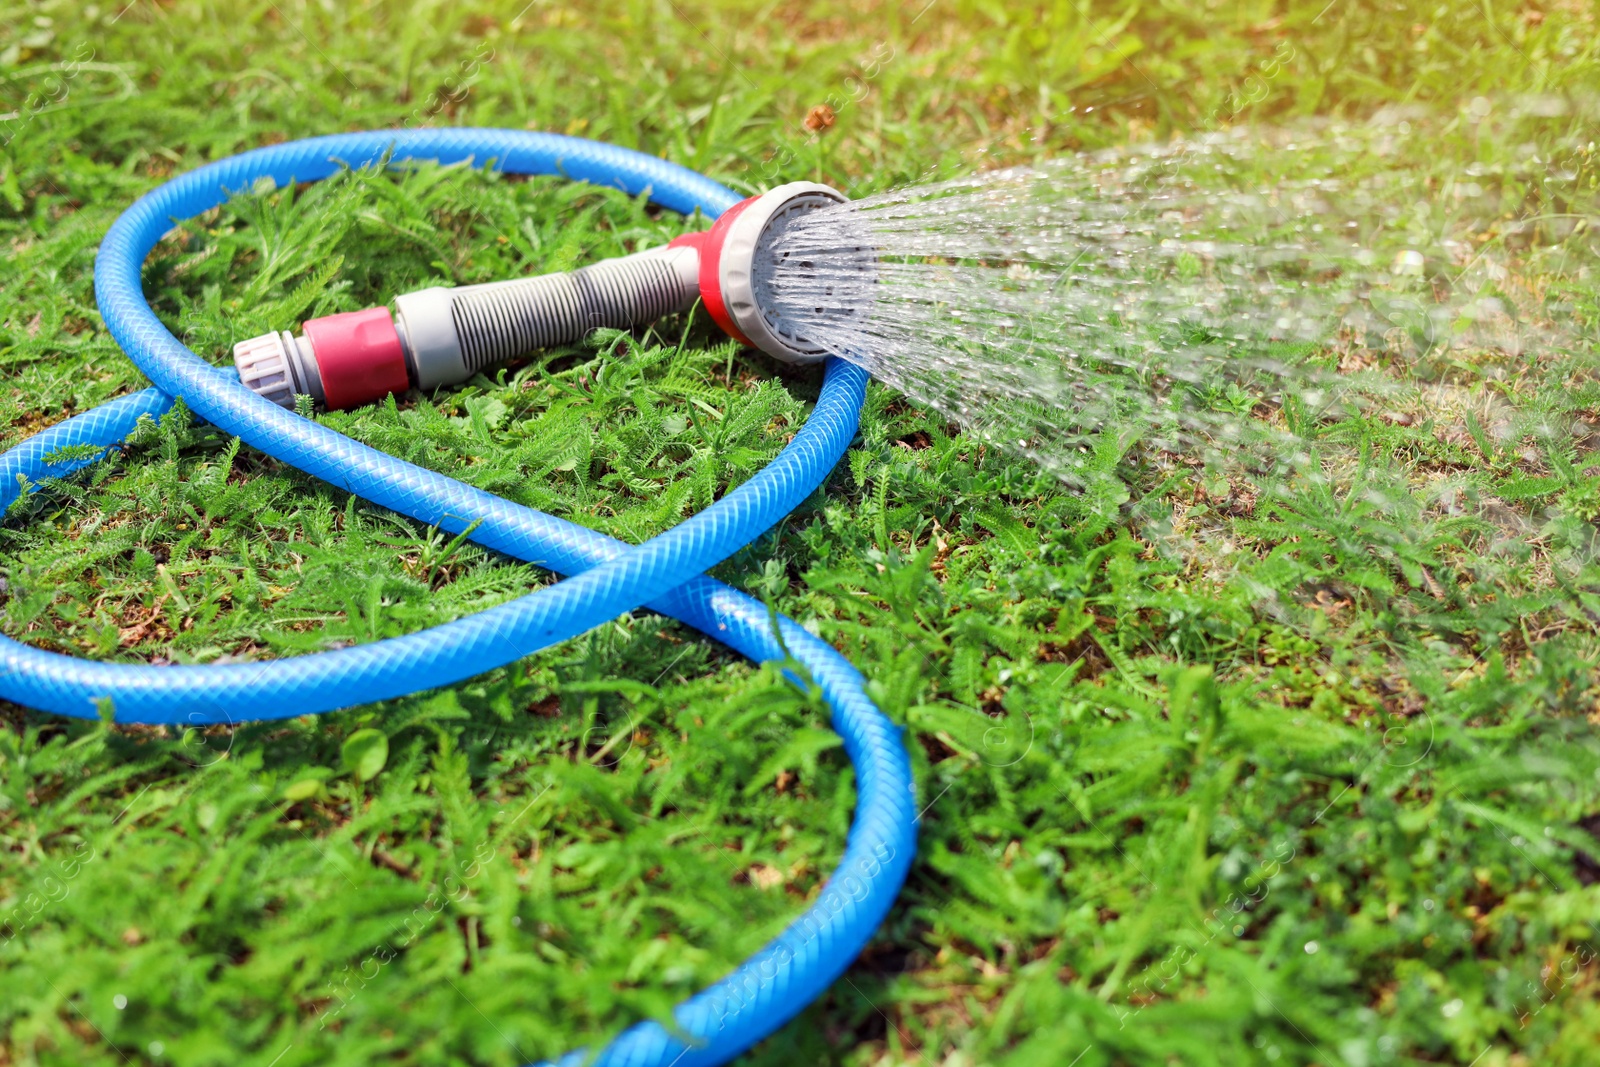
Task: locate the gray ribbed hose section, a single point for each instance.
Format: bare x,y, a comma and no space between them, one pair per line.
507,319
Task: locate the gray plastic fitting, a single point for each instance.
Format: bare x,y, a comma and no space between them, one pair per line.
278,366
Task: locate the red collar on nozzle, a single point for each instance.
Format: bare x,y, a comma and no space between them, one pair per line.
709,244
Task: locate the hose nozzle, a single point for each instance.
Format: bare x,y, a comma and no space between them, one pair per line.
442,336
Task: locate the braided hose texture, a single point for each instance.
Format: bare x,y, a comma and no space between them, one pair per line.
497,322
610,577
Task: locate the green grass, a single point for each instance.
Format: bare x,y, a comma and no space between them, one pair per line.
1320,799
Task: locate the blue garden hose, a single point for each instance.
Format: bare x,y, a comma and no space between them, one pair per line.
609,577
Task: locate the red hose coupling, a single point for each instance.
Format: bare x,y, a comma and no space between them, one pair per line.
341,361
359,357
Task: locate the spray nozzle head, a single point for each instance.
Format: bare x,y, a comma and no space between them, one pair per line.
737,264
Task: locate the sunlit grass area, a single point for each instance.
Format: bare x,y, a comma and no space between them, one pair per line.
1214,771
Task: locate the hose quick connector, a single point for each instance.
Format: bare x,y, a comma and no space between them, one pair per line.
442,336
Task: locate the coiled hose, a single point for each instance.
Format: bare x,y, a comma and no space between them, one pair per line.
610,578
